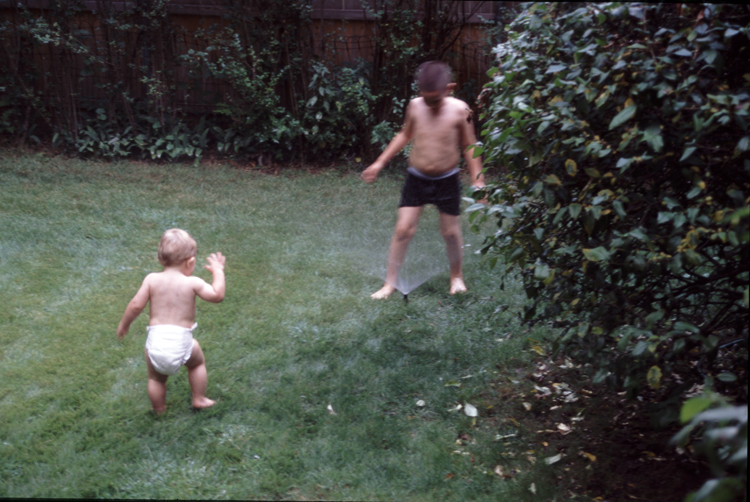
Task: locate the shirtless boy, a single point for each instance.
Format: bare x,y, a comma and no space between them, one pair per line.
441,127
172,293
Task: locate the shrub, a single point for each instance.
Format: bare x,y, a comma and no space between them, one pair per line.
723,440
623,134
338,114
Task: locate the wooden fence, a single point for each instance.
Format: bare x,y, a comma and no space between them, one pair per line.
342,31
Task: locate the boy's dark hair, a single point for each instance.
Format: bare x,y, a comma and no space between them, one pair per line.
433,76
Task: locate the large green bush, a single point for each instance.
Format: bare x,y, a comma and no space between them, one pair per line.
621,135
623,131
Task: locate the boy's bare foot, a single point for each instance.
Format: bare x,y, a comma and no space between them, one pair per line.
203,403
383,292
457,285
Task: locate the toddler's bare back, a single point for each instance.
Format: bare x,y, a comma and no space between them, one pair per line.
172,298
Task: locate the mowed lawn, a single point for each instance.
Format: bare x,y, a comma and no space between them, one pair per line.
322,392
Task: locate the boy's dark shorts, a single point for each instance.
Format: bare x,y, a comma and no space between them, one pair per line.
445,193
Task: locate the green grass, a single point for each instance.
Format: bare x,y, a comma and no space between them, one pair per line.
296,333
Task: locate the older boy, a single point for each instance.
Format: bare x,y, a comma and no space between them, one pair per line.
441,127
172,293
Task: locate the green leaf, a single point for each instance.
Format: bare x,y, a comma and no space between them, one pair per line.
726,489
622,117
685,326
640,348
654,377
693,193
541,270
588,222
654,316
559,216
671,203
555,68
727,377
583,329
571,167
687,153
710,56
597,254
619,208
664,217
652,136
638,234
574,210
692,407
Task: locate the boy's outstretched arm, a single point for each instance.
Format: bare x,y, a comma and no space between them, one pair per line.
397,144
134,309
215,292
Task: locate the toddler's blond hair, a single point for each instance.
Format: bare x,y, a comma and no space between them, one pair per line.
176,246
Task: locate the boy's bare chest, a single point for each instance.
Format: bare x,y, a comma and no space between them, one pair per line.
443,130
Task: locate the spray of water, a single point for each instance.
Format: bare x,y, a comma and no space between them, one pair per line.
425,258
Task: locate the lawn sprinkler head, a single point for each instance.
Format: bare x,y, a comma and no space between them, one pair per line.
406,298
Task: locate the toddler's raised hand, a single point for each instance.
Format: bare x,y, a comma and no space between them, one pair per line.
216,262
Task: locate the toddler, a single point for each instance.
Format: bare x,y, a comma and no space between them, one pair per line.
172,293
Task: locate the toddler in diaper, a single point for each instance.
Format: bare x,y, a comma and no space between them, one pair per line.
171,294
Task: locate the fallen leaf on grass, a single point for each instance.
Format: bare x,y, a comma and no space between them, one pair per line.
470,410
498,470
589,456
563,428
449,475
532,488
421,403
554,459
527,406
330,410
498,437
543,390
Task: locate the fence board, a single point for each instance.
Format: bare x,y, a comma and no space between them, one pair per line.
341,33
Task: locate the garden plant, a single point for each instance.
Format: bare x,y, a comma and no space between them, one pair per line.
622,135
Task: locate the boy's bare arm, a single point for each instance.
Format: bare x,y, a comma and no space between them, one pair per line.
213,293
134,308
468,140
397,144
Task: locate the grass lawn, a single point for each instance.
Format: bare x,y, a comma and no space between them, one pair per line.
296,337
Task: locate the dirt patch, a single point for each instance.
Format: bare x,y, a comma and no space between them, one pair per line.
602,445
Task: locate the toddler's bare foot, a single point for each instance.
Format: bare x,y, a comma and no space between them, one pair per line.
457,285
203,403
383,292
